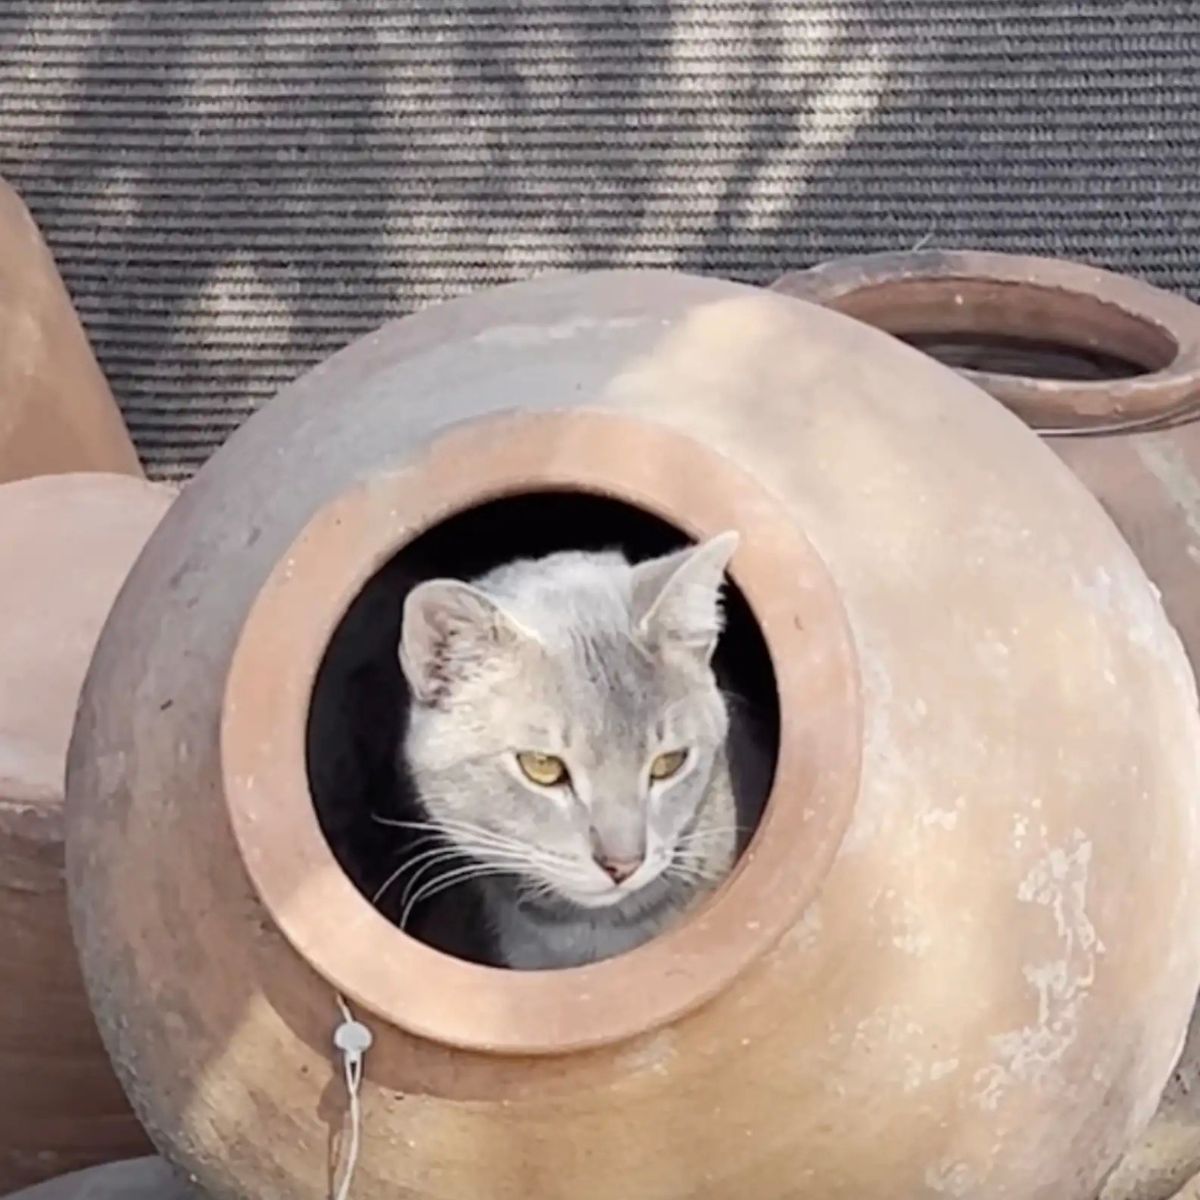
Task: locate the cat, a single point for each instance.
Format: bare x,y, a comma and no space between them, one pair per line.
566,749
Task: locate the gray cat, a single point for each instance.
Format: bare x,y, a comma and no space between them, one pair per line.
567,744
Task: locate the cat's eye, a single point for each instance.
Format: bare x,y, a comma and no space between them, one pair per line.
543,769
666,765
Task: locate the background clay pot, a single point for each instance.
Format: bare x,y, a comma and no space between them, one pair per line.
66,544
960,955
138,1179
56,410
1107,367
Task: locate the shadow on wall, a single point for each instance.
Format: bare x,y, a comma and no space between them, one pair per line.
235,188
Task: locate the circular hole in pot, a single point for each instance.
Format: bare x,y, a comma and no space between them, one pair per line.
360,700
1008,354
1014,329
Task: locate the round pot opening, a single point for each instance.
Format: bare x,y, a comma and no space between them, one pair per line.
1012,354
365,800
1015,329
483,490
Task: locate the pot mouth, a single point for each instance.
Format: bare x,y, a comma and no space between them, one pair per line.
1070,349
405,982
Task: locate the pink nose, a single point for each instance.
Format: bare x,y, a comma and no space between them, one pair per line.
618,869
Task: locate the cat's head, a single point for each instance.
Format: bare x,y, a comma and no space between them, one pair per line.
566,726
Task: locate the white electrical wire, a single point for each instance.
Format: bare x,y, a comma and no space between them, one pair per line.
353,1039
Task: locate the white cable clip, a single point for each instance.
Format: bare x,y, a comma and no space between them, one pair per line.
353,1039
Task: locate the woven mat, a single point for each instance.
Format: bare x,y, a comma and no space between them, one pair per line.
235,188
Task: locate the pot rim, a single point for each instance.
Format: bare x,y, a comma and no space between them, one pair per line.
280,648
1029,285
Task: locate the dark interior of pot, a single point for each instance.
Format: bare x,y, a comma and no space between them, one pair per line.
1014,329
1009,354
360,703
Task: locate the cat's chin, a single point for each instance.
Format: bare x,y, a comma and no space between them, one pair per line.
621,903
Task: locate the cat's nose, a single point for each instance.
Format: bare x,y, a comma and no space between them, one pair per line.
618,869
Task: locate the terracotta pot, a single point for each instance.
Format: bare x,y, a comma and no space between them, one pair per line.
56,410
66,544
1107,367
960,955
138,1179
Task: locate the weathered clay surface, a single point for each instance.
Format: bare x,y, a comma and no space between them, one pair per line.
56,410
991,988
1147,480
1150,485
66,544
138,1179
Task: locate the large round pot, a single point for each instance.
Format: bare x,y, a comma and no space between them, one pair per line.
960,954
66,544
57,412
1105,366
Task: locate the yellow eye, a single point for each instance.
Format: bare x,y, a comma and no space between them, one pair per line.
666,765
543,769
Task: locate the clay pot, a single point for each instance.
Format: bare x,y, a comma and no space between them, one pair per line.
960,954
1106,367
138,1179
56,410
66,544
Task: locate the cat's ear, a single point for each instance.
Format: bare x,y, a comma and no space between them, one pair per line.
677,598
447,629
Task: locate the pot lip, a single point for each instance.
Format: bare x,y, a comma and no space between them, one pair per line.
1050,406
267,694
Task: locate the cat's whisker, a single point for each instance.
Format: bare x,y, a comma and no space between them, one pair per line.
422,863
430,863
508,861
408,864
703,835
448,879
542,889
695,867
468,832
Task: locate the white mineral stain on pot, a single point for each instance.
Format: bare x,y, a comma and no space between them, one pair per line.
919,1073
804,933
520,336
941,818
1171,469
110,770
1020,829
994,656
952,1178
654,1053
1033,1053
913,943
